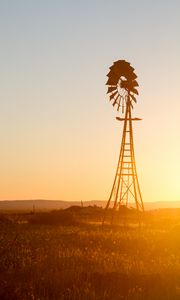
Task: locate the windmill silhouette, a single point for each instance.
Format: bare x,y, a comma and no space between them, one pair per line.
122,88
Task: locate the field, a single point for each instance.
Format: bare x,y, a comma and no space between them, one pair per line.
69,255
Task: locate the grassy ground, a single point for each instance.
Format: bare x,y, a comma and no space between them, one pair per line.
44,258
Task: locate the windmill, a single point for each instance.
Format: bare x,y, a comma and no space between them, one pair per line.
122,90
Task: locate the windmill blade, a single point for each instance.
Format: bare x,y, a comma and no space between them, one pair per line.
124,84
135,83
131,76
115,100
122,69
129,85
131,105
110,73
111,89
113,79
119,102
135,91
133,98
113,95
122,63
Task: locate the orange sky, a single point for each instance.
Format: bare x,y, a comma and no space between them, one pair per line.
59,136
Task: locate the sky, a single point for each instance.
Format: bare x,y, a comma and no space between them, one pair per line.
59,135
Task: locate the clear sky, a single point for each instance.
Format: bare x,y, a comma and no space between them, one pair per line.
58,132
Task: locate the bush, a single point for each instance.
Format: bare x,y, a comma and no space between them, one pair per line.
63,218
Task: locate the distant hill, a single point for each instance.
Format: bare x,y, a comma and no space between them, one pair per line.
59,204
43,204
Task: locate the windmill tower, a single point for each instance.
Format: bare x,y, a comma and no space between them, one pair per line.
122,90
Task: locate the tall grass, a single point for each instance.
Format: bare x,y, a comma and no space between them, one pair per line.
86,261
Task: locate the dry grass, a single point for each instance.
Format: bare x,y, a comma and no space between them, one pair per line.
45,260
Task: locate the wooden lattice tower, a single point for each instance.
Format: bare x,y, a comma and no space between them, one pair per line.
122,88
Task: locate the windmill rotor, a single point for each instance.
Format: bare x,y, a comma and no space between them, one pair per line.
122,84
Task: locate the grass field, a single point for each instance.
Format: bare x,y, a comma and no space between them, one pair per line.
69,255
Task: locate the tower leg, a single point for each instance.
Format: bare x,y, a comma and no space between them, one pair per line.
125,190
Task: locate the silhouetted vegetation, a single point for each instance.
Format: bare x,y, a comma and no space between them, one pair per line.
67,254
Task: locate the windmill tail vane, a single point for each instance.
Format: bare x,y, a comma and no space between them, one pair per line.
122,91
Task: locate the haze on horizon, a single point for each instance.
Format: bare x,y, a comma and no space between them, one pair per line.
59,136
